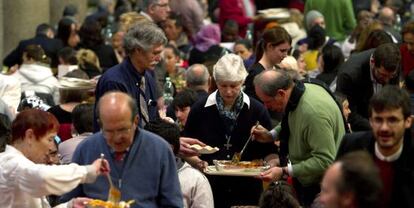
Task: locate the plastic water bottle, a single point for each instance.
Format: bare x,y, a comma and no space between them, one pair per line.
108,30
397,25
249,32
168,91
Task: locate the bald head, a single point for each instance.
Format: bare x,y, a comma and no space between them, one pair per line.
269,81
197,75
115,103
386,16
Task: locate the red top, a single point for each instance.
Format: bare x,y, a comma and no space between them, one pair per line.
234,9
407,59
387,176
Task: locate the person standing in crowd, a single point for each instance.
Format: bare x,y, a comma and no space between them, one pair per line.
363,75
91,38
227,115
271,49
182,105
351,182
241,11
143,164
329,61
197,78
407,48
35,75
310,132
45,38
388,19
67,32
69,99
191,15
176,34
171,57
25,179
279,194
143,45
10,91
339,16
244,49
155,10
82,119
390,145
194,184
207,47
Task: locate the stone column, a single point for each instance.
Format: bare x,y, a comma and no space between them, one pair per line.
20,19
57,7
1,33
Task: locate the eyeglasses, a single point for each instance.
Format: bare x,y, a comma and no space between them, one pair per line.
391,122
113,133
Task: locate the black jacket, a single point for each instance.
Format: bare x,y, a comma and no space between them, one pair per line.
403,187
354,80
205,124
50,46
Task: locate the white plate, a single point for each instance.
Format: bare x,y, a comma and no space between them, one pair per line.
212,170
275,13
74,83
204,150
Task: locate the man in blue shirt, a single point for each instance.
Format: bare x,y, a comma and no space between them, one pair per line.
142,164
143,44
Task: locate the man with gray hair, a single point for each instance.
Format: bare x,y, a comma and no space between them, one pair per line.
310,132
197,78
143,44
155,10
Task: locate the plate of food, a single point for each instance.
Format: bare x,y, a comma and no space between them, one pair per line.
204,149
96,203
242,168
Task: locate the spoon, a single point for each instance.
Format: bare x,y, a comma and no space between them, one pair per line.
237,156
114,194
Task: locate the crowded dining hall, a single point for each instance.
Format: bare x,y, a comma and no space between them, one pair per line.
207,103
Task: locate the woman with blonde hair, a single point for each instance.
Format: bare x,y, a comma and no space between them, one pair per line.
89,63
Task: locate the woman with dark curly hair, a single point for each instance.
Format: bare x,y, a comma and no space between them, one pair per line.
68,33
91,38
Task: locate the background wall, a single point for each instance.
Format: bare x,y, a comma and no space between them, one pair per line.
19,19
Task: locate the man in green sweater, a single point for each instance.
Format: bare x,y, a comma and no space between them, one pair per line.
339,16
310,132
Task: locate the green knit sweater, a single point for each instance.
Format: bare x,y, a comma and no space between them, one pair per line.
339,16
316,130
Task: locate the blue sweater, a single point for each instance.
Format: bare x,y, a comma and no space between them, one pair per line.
148,173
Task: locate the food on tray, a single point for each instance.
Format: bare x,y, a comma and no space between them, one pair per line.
228,165
96,203
204,150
